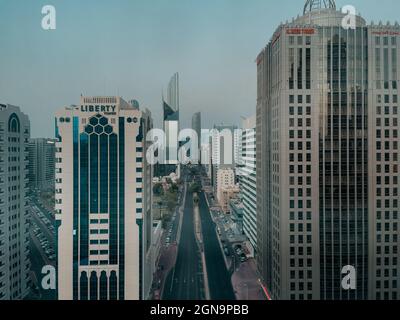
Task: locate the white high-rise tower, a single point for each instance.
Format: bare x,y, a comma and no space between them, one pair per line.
103,201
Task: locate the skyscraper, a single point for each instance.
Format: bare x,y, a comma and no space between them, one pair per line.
14,216
327,157
247,179
196,126
42,163
103,201
173,92
171,130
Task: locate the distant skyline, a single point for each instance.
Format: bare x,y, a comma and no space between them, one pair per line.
131,48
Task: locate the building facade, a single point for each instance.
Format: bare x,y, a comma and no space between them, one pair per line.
223,148
103,201
196,126
42,153
14,215
226,187
170,163
225,195
327,163
248,180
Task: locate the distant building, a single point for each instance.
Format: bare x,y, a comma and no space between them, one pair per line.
14,215
223,152
226,188
103,201
173,96
171,129
196,126
42,153
247,179
225,195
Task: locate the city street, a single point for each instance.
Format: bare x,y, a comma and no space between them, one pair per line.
219,278
185,281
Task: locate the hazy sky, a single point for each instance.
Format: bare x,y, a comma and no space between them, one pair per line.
132,47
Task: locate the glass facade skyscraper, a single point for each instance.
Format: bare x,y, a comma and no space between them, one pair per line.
171,129
103,201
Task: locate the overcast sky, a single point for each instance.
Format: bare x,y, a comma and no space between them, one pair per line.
131,48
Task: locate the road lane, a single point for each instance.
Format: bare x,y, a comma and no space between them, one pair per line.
185,280
219,278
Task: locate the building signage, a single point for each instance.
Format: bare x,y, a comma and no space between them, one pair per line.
98,108
300,31
386,33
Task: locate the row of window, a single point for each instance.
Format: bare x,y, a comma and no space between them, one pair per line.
385,41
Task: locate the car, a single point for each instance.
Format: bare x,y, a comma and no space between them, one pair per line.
243,259
226,251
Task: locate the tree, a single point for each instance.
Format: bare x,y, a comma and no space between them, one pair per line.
174,188
194,187
158,189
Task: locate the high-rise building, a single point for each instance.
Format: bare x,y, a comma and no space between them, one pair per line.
171,129
173,92
248,180
14,215
103,201
42,163
196,126
327,157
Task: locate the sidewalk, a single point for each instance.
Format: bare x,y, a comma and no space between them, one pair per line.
245,282
168,255
165,264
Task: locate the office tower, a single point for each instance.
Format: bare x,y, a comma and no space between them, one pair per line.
14,216
247,180
42,163
171,130
173,92
103,201
196,126
327,157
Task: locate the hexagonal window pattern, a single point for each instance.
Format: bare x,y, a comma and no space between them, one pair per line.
94,121
98,129
103,121
108,129
89,129
98,125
